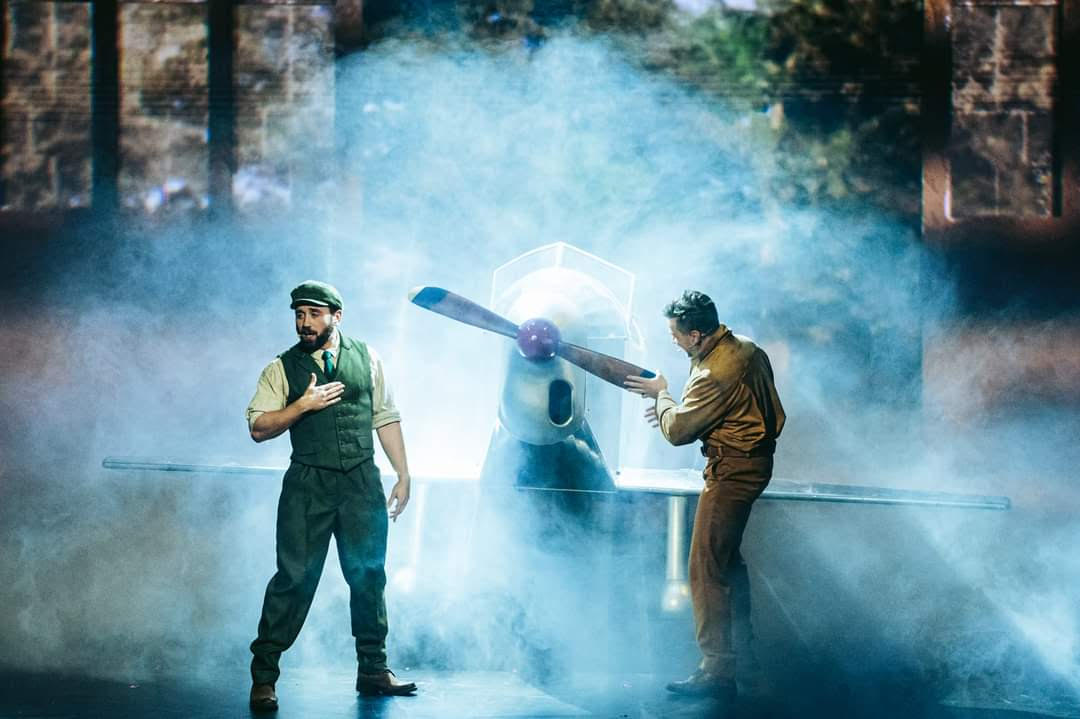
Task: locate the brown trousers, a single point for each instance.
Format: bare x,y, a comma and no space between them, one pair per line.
719,582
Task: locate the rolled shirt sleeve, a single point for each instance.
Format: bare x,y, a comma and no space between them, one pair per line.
383,409
271,392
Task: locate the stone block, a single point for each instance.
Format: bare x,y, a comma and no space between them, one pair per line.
1003,83
1027,65
1005,3
1028,33
284,86
1003,57
973,188
1001,164
973,92
1026,188
980,144
27,28
46,105
163,118
973,35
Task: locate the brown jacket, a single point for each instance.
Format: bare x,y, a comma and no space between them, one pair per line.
729,399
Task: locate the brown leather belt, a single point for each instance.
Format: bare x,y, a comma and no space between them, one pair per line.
762,450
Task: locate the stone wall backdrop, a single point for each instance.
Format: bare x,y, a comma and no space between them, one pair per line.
284,88
163,115
1000,149
46,105
1004,237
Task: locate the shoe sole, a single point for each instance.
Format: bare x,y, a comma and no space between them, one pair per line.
264,706
402,691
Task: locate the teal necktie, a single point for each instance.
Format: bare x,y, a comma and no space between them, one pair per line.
328,362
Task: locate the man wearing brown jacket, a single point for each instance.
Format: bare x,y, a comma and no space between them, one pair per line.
730,404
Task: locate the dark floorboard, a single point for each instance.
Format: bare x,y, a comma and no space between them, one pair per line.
310,693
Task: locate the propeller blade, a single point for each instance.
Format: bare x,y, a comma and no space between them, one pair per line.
446,303
608,368
458,308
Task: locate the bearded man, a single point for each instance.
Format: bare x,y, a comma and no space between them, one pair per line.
330,392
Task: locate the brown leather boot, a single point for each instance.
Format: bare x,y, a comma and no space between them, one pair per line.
263,697
383,682
704,684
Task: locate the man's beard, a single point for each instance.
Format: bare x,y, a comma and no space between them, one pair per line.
319,340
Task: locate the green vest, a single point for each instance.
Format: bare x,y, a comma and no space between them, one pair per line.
339,436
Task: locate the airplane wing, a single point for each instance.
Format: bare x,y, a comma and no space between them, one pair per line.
688,482
672,482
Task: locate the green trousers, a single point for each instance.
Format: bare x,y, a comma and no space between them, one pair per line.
314,504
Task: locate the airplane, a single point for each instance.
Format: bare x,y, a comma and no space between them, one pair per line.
558,428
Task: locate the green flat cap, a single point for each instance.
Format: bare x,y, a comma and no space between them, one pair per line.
317,293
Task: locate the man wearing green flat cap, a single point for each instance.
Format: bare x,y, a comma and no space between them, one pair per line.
330,392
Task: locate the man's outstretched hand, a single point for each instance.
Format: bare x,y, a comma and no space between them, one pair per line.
646,387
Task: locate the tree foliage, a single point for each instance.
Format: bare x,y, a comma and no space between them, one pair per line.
837,84
829,86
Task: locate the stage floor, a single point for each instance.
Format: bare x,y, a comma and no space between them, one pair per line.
310,694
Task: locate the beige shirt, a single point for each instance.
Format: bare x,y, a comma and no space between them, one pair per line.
272,390
729,399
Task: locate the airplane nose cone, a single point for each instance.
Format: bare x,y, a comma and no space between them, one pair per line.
538,339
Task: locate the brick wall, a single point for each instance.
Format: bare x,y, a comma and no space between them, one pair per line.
163,112
284,85
46,105
999,206
1000,150
283,95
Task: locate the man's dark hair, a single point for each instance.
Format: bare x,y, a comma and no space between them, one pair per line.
693,311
